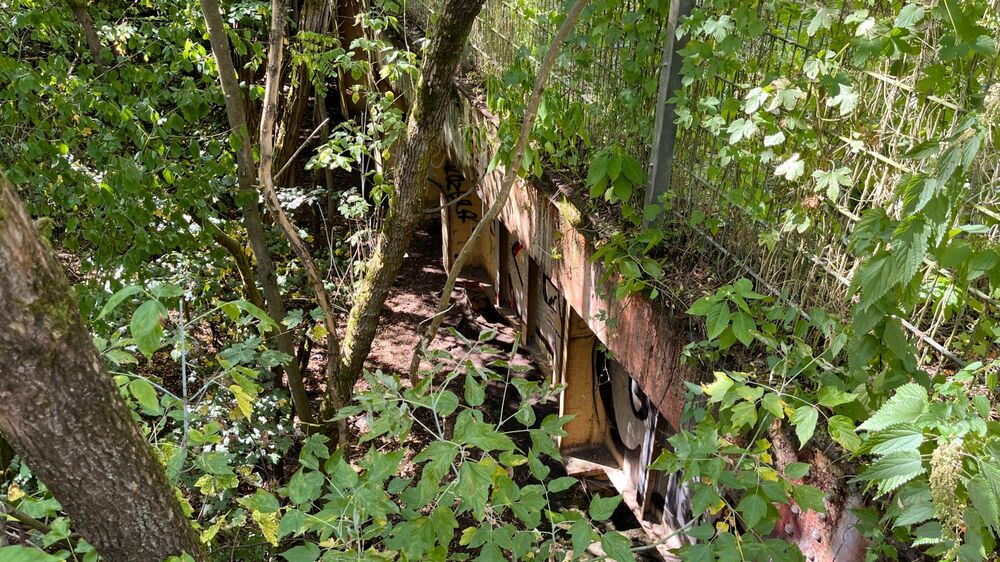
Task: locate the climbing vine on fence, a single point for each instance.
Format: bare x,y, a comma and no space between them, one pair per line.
841,162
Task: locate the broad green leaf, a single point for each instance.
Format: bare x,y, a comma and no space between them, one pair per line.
117,298
909,402
717,319
823,19
617,547
809,497
561,484
773,404
146,328
582,536
475,393
261,500
743,325
601,508
893,470
804,419
985,500
25,554
744,413
831,396
145,394
307,552
753,508
895,439
846,99
842,431
473,487
305,486
796,470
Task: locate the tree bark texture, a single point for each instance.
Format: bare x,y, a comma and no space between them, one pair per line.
64,415
350,29
247,177
427,115
314,17
82,15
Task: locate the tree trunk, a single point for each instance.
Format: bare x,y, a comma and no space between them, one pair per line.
82,15
427,115
313,18
350,29
63,413
247,177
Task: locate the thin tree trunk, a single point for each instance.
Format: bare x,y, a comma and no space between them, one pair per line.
427,115
82,15
251,210
510,174
350,29
240,259
63,413
313,18
265,173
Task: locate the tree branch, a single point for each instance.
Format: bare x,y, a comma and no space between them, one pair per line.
510,174
264,173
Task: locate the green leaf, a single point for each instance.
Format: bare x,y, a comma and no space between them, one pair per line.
909,402
307,552
617,547
796,470
831,181
809,497
874,279
822,20
985,501
744,413
743,324
804,419
117,298
261,500
166,291
717,319
846,99
831,396
894,439
582,537
475,393
473,487
717,390
601,508
893,470
561,484
842,431
305,486
146,328
145,394
772,403
753,508
25,554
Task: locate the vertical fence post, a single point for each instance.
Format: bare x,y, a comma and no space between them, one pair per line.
664,128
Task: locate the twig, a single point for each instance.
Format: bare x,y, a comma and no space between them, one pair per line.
268,117
299,149
510,174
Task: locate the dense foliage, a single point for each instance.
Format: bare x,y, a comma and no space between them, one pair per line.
836,170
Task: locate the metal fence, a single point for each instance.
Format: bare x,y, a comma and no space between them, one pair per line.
811,268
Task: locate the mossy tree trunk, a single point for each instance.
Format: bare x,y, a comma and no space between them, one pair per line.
427,114
64,415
